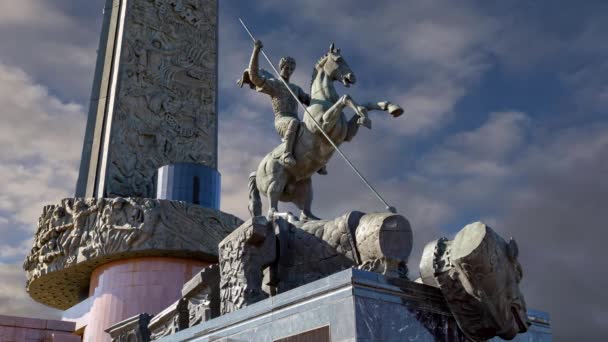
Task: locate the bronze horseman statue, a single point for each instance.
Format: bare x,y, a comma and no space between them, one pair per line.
284,173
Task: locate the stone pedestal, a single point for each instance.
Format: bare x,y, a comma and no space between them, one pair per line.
352,305
189,182
19,329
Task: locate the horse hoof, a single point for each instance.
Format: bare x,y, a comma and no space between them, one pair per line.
309,217
365,122
394,110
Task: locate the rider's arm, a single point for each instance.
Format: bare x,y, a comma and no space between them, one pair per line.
304,98
254,74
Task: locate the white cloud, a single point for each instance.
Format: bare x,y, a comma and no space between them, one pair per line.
589,85
15,301
30,13
558,216
40,145
482,152
55,47
8,251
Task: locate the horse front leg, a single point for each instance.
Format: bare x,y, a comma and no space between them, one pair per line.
273,195
332,114
353,123
303,199
361,111
352,128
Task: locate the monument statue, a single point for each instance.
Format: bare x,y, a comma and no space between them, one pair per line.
284,173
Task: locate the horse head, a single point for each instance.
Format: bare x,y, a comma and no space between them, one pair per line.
336,68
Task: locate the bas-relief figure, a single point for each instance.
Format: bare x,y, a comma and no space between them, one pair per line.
77,234
134,329
166,104
479,275
169,321
285,173
203,295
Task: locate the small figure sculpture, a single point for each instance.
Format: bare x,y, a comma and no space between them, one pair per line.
70,241
284,173
145,218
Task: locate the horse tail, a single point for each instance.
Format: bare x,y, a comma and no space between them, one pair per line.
255,202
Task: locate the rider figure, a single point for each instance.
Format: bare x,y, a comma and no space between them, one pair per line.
285,107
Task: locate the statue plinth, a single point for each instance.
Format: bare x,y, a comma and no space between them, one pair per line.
351,305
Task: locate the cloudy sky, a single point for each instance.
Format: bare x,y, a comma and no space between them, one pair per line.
505,122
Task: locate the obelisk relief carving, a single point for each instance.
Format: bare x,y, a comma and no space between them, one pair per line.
155,99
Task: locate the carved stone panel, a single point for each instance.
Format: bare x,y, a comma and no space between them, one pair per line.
161,104
77,235
243,255
169,321
133,329
289,253
479,274
203,295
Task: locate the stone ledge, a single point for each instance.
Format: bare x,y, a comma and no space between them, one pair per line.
356,305
169,321
36,323
78,235
131,329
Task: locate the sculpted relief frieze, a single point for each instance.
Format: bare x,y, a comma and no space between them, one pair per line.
165,108
77,234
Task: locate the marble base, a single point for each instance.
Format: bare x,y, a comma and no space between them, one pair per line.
351,305
125,288
23,329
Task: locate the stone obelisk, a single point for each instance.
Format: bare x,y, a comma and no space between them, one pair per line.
145,215
154,100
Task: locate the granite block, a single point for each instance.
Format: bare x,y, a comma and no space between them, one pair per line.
34,323
356,305
7,320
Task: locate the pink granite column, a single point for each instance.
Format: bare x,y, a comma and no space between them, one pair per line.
22,329
125,288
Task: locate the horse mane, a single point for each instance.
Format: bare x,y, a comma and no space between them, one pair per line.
317,67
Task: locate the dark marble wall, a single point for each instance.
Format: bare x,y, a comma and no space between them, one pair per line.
356,306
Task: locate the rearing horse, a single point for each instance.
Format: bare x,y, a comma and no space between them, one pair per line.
312,150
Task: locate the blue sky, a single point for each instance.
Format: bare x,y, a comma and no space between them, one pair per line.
505,122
